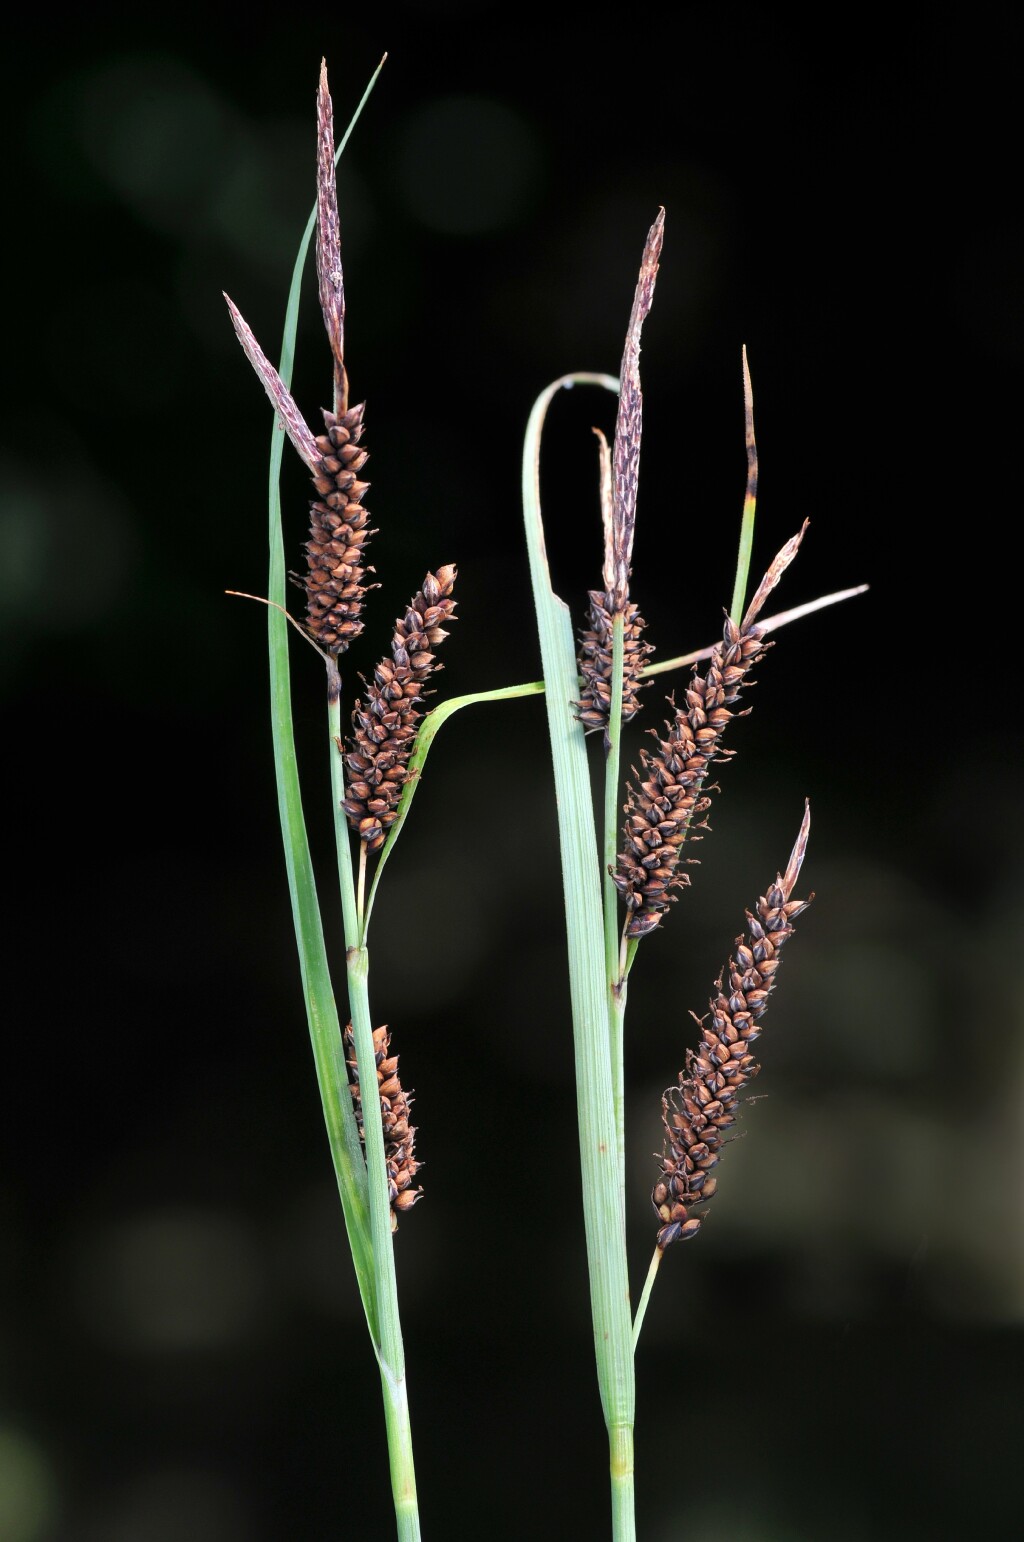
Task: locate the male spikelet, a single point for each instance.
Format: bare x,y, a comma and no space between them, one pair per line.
701,1107
385,724
399,1134
339,525
618,512
661,811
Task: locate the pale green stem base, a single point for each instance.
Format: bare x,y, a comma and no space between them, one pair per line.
620,1439
403,1472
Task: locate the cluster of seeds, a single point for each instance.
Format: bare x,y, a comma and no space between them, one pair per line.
385,724
339,530
698,1111
399,1134
660,814
595,661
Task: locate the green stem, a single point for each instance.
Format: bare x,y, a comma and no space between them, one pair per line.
621,1464
616,986
349,909
641,1310
403,1473
389,1344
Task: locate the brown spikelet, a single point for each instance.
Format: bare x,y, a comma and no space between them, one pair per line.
399,1134
339,525
339,528
698,1110
595,661
385,724
660,813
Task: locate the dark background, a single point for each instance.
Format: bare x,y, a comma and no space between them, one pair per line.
838,1354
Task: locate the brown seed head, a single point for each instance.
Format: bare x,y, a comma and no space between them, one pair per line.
595,661
661,812
339,528
339,525
701,1107
399,1134
385,724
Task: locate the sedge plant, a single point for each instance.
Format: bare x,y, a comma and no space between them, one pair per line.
618,889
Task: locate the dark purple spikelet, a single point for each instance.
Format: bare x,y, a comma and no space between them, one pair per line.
339,528
399,1134
595,661
385,722
339,525
701,1107
661,812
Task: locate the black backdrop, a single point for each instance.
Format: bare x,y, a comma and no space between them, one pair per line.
837,1355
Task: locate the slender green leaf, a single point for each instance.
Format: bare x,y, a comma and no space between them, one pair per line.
428,729
603,1213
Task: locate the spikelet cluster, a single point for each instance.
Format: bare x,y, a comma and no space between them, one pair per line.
339,528
399,1134
384,723
595,661
697,1112
660,814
